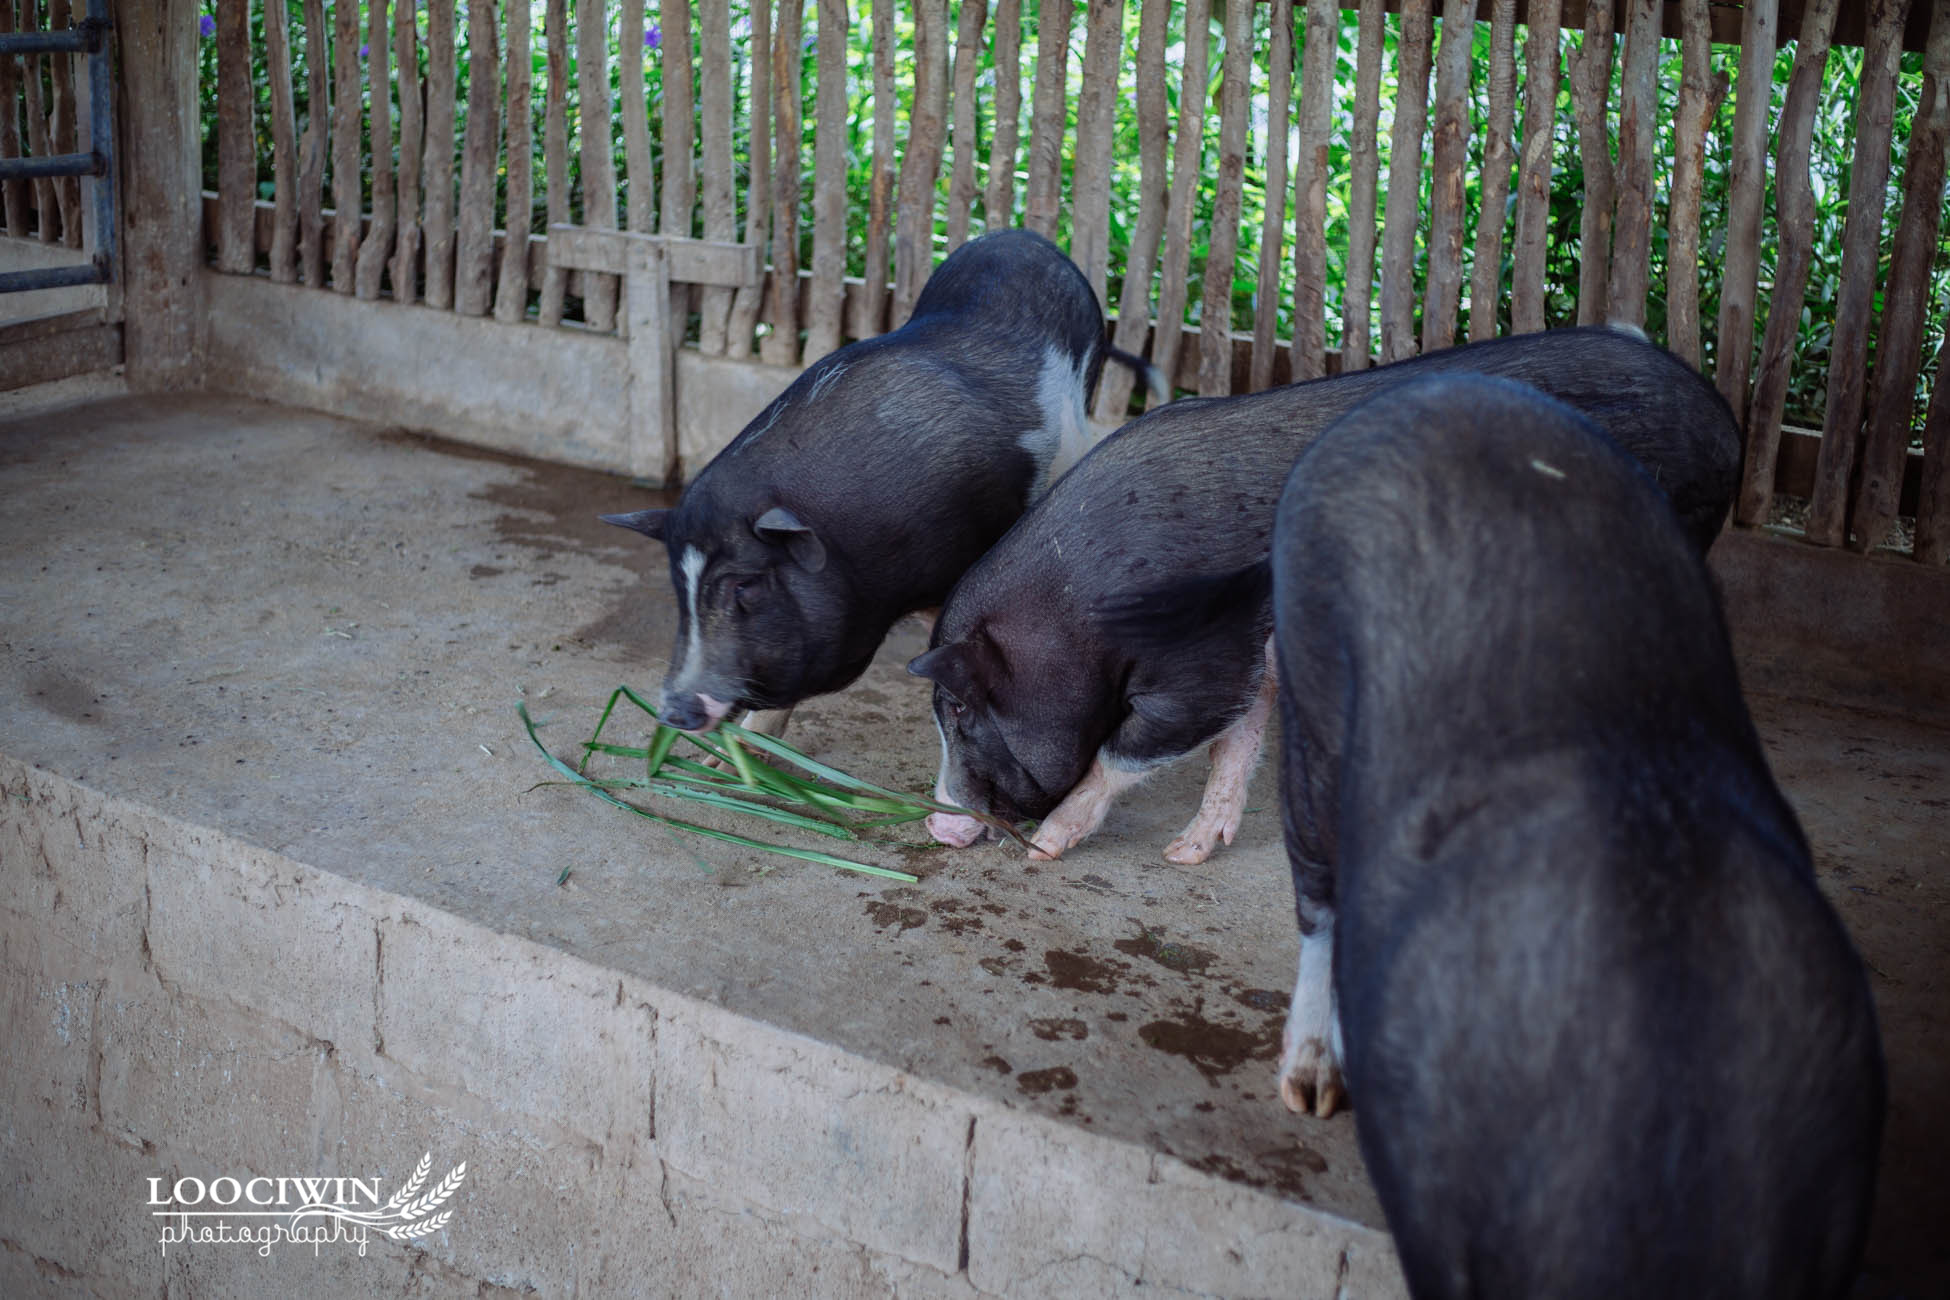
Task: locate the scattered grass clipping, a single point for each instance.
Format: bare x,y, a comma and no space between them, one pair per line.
754,780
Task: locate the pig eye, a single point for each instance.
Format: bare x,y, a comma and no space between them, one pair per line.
747,592
955,707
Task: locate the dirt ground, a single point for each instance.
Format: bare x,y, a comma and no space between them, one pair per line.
311,634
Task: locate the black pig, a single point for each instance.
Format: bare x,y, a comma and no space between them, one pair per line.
870,484
1087,649
1604,1036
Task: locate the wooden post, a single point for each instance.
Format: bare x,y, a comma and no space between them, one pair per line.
748,299
61,128
1134,306
1740,272
160,157
720,208
961,178
999,196
1046,118
827,306
680,127
1541,61
1899,342
1486,274
1855,297
311,169
1451,153
511,288
781,343
1933,502
921,163
1631,255
1272,229
378,243
236,139
599,290
1700,93
1403,210
1590,94
347,198
555,153
1215,305
649,266
437,169
480,155
1185,168
412,120
680,144
13,194
284,148
1364,167
640,178
1794,206
1322,42
1103,52
870,316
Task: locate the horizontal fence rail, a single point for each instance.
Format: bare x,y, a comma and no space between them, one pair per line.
1257,191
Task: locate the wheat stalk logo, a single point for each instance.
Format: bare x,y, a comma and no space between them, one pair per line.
408,1215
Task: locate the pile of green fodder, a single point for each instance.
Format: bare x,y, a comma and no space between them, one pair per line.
753,777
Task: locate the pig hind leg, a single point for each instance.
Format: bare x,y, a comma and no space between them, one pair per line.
1310,1049
1234,756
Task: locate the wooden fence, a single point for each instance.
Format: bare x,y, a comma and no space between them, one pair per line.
38,118
427,228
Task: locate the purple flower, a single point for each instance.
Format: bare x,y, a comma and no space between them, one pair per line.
364,50
653,37
207,25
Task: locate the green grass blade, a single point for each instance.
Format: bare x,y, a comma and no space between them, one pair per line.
809,855
660,745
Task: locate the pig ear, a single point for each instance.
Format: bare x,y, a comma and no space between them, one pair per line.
781,527
648,522
954,667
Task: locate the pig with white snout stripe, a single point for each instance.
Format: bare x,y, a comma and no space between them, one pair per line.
866,489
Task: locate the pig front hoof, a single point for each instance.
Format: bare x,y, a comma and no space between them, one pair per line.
954,830
1310,1080
1052,839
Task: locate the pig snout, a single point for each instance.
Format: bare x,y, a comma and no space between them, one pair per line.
692,712
953,829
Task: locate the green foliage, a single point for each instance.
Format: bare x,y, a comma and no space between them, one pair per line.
1832,153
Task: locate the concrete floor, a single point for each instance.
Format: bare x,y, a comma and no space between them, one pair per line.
312,635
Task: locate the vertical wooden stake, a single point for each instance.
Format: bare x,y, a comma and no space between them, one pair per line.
1740,272
1309,354
1899,342
1856,295
828,289
1272,229
378,244
1794,220
1700,93
1134,306
1364,167
1451,152
236,139
1403,211
511,289
1541,61
1047,117
1486,274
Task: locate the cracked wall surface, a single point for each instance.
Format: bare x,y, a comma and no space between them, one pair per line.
181,1004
